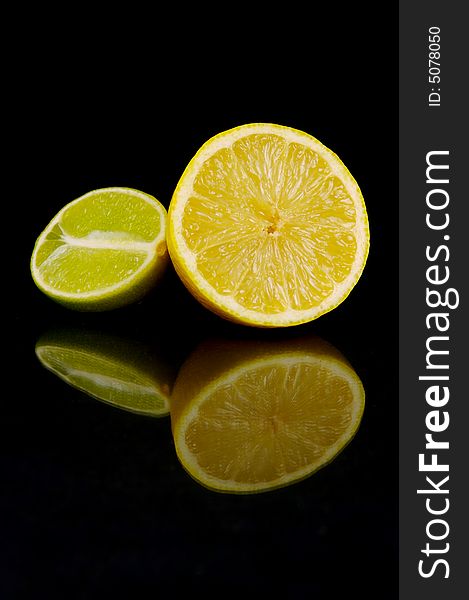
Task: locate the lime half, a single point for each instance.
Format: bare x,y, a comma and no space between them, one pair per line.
115,370
102,251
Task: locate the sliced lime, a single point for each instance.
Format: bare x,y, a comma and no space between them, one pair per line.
102,251
117,371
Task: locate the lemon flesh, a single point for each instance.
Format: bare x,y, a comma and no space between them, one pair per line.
267,227
252,419
103,250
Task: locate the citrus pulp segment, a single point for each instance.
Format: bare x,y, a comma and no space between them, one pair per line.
251,417
267,227
103,250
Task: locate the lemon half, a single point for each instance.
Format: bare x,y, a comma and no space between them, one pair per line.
252,417
267,227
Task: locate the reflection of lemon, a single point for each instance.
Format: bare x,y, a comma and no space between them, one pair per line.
250,417
267,227
113,370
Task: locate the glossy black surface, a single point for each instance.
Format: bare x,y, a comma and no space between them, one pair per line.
95,503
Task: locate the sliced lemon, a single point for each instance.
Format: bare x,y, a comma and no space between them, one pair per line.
267,227
249,417
103,250
114,370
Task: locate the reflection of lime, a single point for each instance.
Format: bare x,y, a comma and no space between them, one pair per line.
251,417
103,250
267,227
113,370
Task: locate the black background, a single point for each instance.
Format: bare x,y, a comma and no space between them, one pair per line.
94,502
